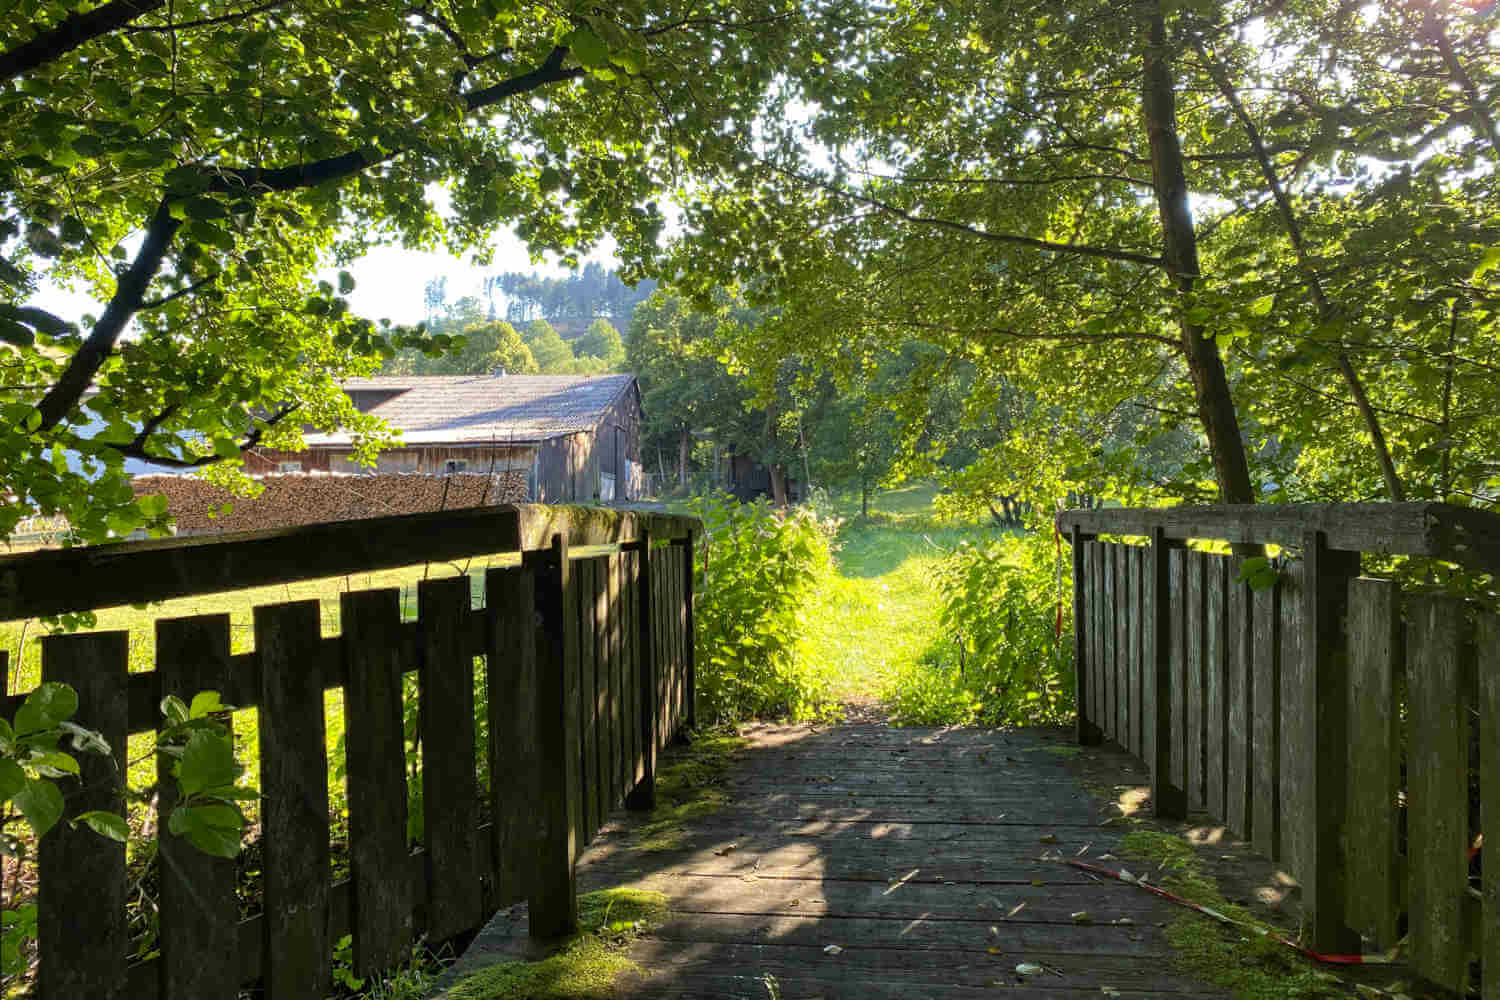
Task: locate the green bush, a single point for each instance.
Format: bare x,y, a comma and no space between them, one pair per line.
755,568
1002,660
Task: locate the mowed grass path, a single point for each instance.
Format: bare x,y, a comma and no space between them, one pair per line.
878,615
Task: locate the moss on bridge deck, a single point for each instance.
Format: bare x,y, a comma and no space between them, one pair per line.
874,862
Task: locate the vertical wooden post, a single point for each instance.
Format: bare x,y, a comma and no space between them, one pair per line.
1488,671
1321,768
1266,726
1168,799
1087,731
375,765
82,936
199,915
553,895
1239,757
294,800
515,798
643,795
690,663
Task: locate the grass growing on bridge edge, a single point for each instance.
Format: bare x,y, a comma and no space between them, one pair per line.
587,965
689,786
1251,966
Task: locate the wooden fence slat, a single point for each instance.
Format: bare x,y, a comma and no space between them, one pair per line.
588,693
1265,777
630,690
1196,664
450,794
617,678
82,936
1296,822
553,900
1101,661
661,604
294,801
1086,730
643,794
1488,670
689,631
1216,669
1140,611
1437,772
603,761
375,765
199,913
1160,718
510,659
669,618
1241,693
1108,710
1177,616
1372,898
1122,626
680,615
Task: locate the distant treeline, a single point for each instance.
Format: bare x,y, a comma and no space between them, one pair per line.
570,304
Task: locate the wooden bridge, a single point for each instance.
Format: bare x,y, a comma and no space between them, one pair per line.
855,862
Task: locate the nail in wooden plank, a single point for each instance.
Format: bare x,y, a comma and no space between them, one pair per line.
294,800
81,929
375,766
200,916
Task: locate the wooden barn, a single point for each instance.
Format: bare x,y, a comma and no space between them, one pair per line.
576,438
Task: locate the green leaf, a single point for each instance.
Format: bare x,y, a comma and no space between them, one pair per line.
212,829
105,824
207,762
54,764
45,707
204,703
1489,263
1262,305
152,505
588,47
41,803
226,447
12,779
346,282
174,709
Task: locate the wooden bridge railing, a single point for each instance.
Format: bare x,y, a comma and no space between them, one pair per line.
1335,721
588,661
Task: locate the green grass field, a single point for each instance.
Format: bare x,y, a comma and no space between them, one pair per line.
876,619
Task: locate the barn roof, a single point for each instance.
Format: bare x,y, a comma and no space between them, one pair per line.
442,409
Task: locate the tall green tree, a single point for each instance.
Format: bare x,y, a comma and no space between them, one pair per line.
602,340
193,166
553,354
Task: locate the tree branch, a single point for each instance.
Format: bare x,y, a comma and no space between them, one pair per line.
136,448
70,33
190,289
1171,342
206,21
1012,239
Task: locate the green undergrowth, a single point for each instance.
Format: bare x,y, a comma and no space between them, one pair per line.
689,785
587,965
1251,966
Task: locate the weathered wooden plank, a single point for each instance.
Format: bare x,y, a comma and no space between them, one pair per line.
294,801
1372,898
1216,677
689,633
1122,645
1177,614
82,936
643,794
1240,691
580,654
588,525
199,913
1437,770
1086,730
375,765
1109,710
510,659
1140,626
553,901
1319,770
1158,716
617,678
1265,776
679,616
44,583
603,761
1458,534
450,794
1487,662
1296,718
631,684
1195,662
1088,639
587,578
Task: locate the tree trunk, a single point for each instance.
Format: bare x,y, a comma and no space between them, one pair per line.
864,497
684,446
1205,366
778,484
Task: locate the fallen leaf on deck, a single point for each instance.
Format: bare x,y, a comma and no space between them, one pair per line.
1029,969
832,949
